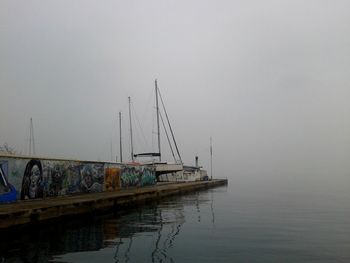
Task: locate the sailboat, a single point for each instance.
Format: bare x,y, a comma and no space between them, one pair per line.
160,166
166,171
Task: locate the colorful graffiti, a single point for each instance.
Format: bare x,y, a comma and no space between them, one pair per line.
72,181
137,176
112,179
148,177
68,177
23,178
7,191
91,178
57,173
61,177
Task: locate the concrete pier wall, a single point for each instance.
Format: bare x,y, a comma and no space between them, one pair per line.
23,178
33,212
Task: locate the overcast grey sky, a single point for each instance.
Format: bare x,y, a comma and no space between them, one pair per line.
268,80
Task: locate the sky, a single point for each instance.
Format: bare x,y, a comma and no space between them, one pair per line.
267,80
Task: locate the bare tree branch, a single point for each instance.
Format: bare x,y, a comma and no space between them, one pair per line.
5,148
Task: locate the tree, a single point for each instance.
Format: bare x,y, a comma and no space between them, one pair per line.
5,148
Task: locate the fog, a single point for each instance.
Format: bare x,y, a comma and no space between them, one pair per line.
267,80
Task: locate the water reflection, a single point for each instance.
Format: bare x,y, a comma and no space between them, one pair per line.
39,244
212,208
164,222
145,234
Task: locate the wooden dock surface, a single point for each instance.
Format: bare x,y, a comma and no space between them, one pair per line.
34,211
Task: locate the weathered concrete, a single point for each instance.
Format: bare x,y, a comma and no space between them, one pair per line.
34,211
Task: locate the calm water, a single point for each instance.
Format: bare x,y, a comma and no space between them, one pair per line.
225,224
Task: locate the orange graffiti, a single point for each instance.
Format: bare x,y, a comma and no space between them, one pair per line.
112,179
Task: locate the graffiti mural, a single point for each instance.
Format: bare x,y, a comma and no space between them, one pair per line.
69,177
32,184
3,177
91,177
137,176
54,177
16,169
148,177
71,184
24,178
112,179
57,175
8,192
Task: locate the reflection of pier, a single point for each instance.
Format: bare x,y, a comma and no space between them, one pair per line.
40,244
164,223
160,254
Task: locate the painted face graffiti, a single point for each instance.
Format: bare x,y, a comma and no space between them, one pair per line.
32,181
92,178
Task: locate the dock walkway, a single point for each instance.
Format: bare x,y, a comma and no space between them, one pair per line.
35,211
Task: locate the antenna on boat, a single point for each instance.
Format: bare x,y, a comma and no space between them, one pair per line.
158,130
31,138
131,142
120,137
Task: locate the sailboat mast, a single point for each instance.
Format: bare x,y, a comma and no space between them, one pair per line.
158,129
111,148
120,138
131,142
31,138
211,158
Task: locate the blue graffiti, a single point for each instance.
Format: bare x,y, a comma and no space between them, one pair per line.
137,176
9,196
148,177
8,192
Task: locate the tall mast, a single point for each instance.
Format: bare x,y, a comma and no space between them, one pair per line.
31,138
111,149
158,130
131,142
120,137
211,158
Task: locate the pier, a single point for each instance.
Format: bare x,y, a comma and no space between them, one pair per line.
40,210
